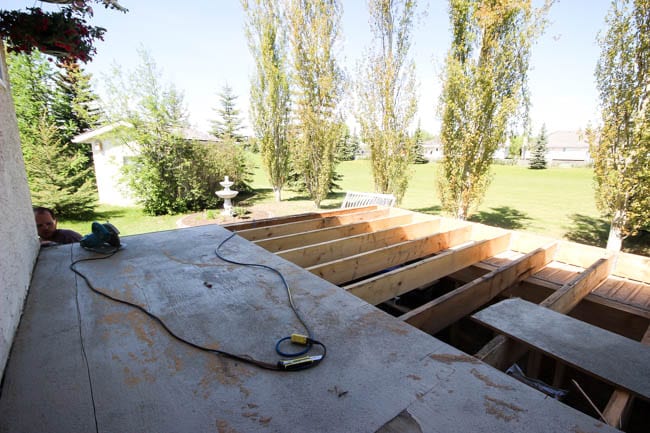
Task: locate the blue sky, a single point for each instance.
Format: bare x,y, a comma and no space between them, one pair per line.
200,46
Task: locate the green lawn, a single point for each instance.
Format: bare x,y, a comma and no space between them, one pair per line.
557,202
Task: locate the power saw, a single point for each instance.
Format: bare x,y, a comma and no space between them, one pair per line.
104,238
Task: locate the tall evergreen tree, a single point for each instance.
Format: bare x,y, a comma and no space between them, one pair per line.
484,86
229,122
318,82
49,113
348,146
620,147
539,151
418,148
387,95
270,97
58,177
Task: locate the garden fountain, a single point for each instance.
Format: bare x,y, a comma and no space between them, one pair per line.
226,194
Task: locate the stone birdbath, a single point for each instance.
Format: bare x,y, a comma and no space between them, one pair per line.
226,194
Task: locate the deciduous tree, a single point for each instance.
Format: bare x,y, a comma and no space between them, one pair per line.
386,94
270,97
169,173
620,147
314,30
484,86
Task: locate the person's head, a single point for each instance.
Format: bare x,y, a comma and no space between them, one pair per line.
45,222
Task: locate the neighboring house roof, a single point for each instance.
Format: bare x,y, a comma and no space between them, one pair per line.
194,134
187,133
88,136
567,139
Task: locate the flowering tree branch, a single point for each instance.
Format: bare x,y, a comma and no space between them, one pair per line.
65,33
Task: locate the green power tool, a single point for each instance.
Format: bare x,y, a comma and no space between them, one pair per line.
104,238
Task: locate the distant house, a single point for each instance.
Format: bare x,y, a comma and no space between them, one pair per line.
111,151
567,146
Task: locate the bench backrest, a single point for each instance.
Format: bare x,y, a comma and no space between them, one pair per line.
358,199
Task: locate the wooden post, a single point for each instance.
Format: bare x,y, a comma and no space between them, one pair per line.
615,412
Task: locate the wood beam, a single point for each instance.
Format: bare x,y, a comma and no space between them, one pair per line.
301,240
342,246
311,224
360,265
245,225
447,309
383,287
501,352
619,403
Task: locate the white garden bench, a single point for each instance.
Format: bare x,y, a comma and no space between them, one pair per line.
359,199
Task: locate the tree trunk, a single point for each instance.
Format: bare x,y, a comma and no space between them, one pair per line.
615,239
278,194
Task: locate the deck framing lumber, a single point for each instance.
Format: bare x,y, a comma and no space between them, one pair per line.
395,283
449,308
502,352
302,240
360,265
294,218
617,408
255,234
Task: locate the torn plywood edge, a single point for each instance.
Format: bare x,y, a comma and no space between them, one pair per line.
463,267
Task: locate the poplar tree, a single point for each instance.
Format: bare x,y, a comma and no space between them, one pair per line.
314,30
386,92
270,97
484,89
620,147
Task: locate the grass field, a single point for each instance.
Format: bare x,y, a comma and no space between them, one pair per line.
557,202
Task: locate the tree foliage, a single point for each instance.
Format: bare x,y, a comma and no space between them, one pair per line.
270,97
538,160
314,30
620,147
386,92
169,173
228,123
484,87
418,148
53,104
348,146
58,177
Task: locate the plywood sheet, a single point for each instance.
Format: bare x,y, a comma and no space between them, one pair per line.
617,360
140,379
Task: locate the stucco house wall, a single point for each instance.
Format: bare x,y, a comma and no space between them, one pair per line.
20,244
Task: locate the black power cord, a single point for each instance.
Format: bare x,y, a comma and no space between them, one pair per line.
295,363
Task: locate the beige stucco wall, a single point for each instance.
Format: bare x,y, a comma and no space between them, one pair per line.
17,230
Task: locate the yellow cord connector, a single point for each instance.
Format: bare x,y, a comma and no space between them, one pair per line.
299,339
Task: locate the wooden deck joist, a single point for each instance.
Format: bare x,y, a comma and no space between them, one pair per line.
447,309
399,281
302,240
294,218
364,264
254,234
